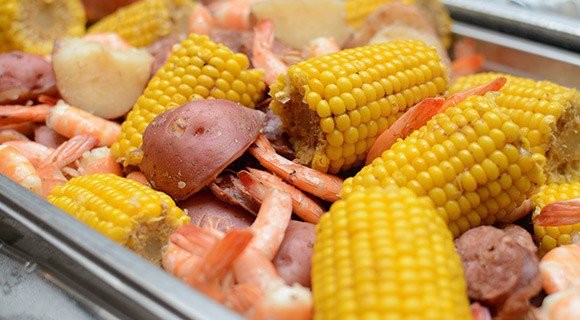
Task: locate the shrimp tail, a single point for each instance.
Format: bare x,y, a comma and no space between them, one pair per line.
559,213
71,150
411,120
467,65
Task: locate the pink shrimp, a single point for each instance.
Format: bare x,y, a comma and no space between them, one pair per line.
560,213
322,185
271,222
418,115
98,160
35,152
108,39
320,46
17,114
15,166
70,121
232,14
563,305
480,312
560,268
201,20
467,59
262,55
50,171
259,182
278,300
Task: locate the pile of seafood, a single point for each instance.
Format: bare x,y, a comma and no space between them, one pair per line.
353,161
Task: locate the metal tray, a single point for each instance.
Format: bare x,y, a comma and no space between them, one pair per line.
114,283
108,279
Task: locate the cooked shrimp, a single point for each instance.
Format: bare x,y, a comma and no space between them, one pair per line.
560,213
262,55
278,301
232,14
259,182
271,222
35,152
201,20
320,46
322,185
480,312
519,212
11,135
563,305
15,166
185,250
70,121
419,114
50,171
98,160
17,114
108,39
560,268
467,60
206,274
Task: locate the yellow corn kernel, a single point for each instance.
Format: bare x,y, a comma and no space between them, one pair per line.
198,64
548,115
550,237
33,25
385,253
145,21
122,209
466,179
350,97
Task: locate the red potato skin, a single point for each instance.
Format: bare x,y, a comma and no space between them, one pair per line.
207,211
184,149
25,76
293,260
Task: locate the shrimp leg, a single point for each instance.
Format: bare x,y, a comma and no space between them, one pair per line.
259,182
322,185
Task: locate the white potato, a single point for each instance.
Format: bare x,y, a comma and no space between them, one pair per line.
299,21
102,80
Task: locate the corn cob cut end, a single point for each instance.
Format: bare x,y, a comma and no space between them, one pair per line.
143,22
334,107
122,209
550,237
563,155
33,25
549,115
385,253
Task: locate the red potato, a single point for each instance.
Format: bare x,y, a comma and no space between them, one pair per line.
294,258
184,149
25,76
207,211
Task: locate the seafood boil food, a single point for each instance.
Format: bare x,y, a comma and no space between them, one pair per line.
353,162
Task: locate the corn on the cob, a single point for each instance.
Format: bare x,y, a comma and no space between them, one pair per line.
145,21
122,209
385,254
335,106
548,114
33,25
471,161
197,68
550,237
358,10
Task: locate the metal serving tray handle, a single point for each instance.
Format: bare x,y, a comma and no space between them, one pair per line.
546,27
94,267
